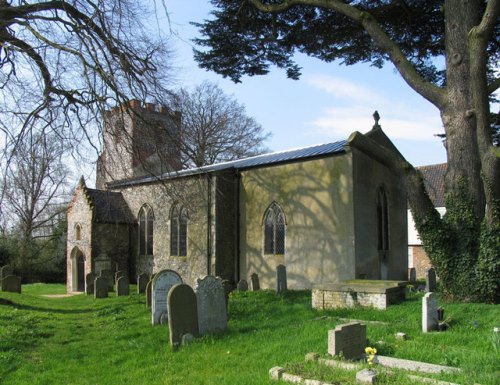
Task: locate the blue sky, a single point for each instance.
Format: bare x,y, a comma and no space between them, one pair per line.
327,103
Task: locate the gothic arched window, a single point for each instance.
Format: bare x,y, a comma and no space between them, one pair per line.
382,220
178,231
78,232
146,225
274,230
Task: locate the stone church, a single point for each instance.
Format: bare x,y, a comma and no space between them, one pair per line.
329,213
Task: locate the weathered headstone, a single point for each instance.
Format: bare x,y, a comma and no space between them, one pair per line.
89,283
242,285
211,303
429,312
149,287
281,286
101,287
430,280
11,283
142,281
182,313
347,339
412,274
162,283
254,282
109,277
122,286
5,271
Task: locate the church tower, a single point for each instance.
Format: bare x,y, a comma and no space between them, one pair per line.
138,140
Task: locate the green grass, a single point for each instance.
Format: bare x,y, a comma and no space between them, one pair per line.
80,340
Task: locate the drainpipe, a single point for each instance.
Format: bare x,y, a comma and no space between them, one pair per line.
209,224
237,235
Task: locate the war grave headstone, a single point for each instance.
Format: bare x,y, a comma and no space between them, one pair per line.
430,280
142,281
348,339
5,271
89,283
109,277
11,283
211,303
149,287
281,285
182,313
429,312
242,285
254,282
101,287
122,286
162,283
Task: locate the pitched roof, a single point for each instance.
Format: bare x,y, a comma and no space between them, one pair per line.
109,207
273,158
434,182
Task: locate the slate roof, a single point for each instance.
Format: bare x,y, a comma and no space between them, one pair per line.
274,158
109,207
434,182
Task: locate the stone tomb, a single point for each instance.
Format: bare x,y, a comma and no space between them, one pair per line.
254,282
11,283
122,286
211,303
142,281
348,339
281,284
162,283
182,313
101,287
429,312
89,283
430,280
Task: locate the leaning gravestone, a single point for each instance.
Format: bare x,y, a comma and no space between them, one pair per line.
161,285
89,283
281,286
430,280
142,281
242,285
254,282
12,284
182,313
212,313
122,286
5,271
347,339
429,312
101,287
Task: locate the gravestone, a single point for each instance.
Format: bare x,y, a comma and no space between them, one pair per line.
429,312
211,303
430,280
182,313
5,271
101,287
412,274
347,339
149,287
89,283
108,276
122,286
281,286
118,274
162,283
11,283
142,281
254,282
242,285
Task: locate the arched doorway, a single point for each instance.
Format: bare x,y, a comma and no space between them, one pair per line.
77,270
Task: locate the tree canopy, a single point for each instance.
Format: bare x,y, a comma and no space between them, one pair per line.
247,37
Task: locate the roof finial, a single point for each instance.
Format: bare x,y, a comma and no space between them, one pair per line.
376,116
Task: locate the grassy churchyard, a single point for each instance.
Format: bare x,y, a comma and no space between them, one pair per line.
81,340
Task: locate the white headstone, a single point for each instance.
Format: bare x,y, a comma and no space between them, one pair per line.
429,312
162,283
210,297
